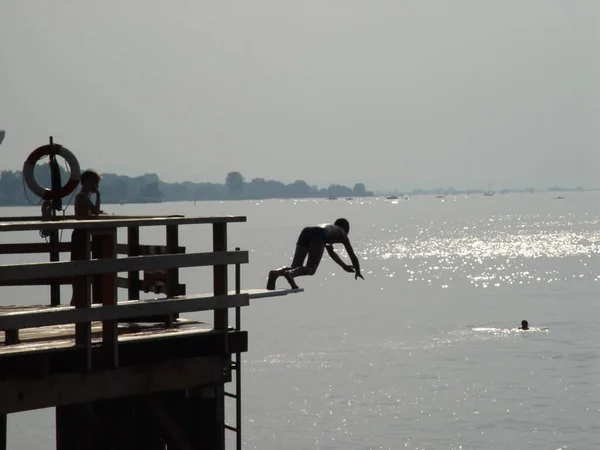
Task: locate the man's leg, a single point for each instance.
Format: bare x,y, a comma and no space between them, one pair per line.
297,261
315,253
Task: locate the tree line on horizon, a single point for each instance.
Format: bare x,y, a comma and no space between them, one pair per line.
149,188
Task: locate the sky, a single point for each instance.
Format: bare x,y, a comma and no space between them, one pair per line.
395,94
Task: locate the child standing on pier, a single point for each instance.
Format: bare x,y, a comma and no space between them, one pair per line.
84,209
311,243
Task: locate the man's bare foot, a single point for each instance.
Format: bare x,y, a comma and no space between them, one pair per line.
290,279
273,275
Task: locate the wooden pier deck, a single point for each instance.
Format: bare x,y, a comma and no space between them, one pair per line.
129,374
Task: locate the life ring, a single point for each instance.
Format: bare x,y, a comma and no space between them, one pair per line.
39,153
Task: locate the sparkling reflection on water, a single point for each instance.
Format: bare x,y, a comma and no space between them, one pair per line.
426,352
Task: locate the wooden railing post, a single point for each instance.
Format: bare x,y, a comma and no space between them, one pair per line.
54,256
3,436
220,275
105,292
83,299
221,319
172,279
133,249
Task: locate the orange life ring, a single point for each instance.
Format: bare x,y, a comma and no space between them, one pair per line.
39,153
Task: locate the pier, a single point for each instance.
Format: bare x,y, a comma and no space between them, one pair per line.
126,374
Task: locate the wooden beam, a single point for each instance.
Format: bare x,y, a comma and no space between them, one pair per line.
135,308
172,275
32,247
264,293
144,286
37,281
123,249
174,430
69,388
220,282
133,249
109,222
74,268
152,346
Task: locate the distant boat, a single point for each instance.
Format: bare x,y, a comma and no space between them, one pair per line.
392,197
349,198
488,194
331,198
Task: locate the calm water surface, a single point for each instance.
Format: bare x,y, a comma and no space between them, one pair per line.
425,352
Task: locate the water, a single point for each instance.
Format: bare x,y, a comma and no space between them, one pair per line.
425,352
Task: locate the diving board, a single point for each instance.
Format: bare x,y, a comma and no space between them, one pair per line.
264,293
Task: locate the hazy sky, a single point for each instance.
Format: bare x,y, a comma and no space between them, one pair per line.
392,93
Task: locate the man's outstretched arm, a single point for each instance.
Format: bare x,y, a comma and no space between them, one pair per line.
337,259
353,258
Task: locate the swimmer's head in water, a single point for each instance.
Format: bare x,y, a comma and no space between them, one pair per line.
524,325
343,224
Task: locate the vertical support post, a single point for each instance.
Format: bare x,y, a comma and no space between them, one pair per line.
133,249
3,433
147,428
105,292
55,205
172,287
238,363
54,256
83,299
221,319
11,337
220,274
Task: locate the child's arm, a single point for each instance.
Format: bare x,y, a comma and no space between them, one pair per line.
337,259
353,258
95,207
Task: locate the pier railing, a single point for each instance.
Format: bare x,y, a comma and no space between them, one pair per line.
96,279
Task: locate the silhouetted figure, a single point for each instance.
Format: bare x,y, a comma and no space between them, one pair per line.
313,240
84,209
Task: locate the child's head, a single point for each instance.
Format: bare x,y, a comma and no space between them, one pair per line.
90,179
343,224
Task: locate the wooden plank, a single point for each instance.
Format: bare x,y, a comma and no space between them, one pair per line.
64,389
37,281
144,286
264,293
123,249
32,247
123,310
109,222
59,337
74,268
